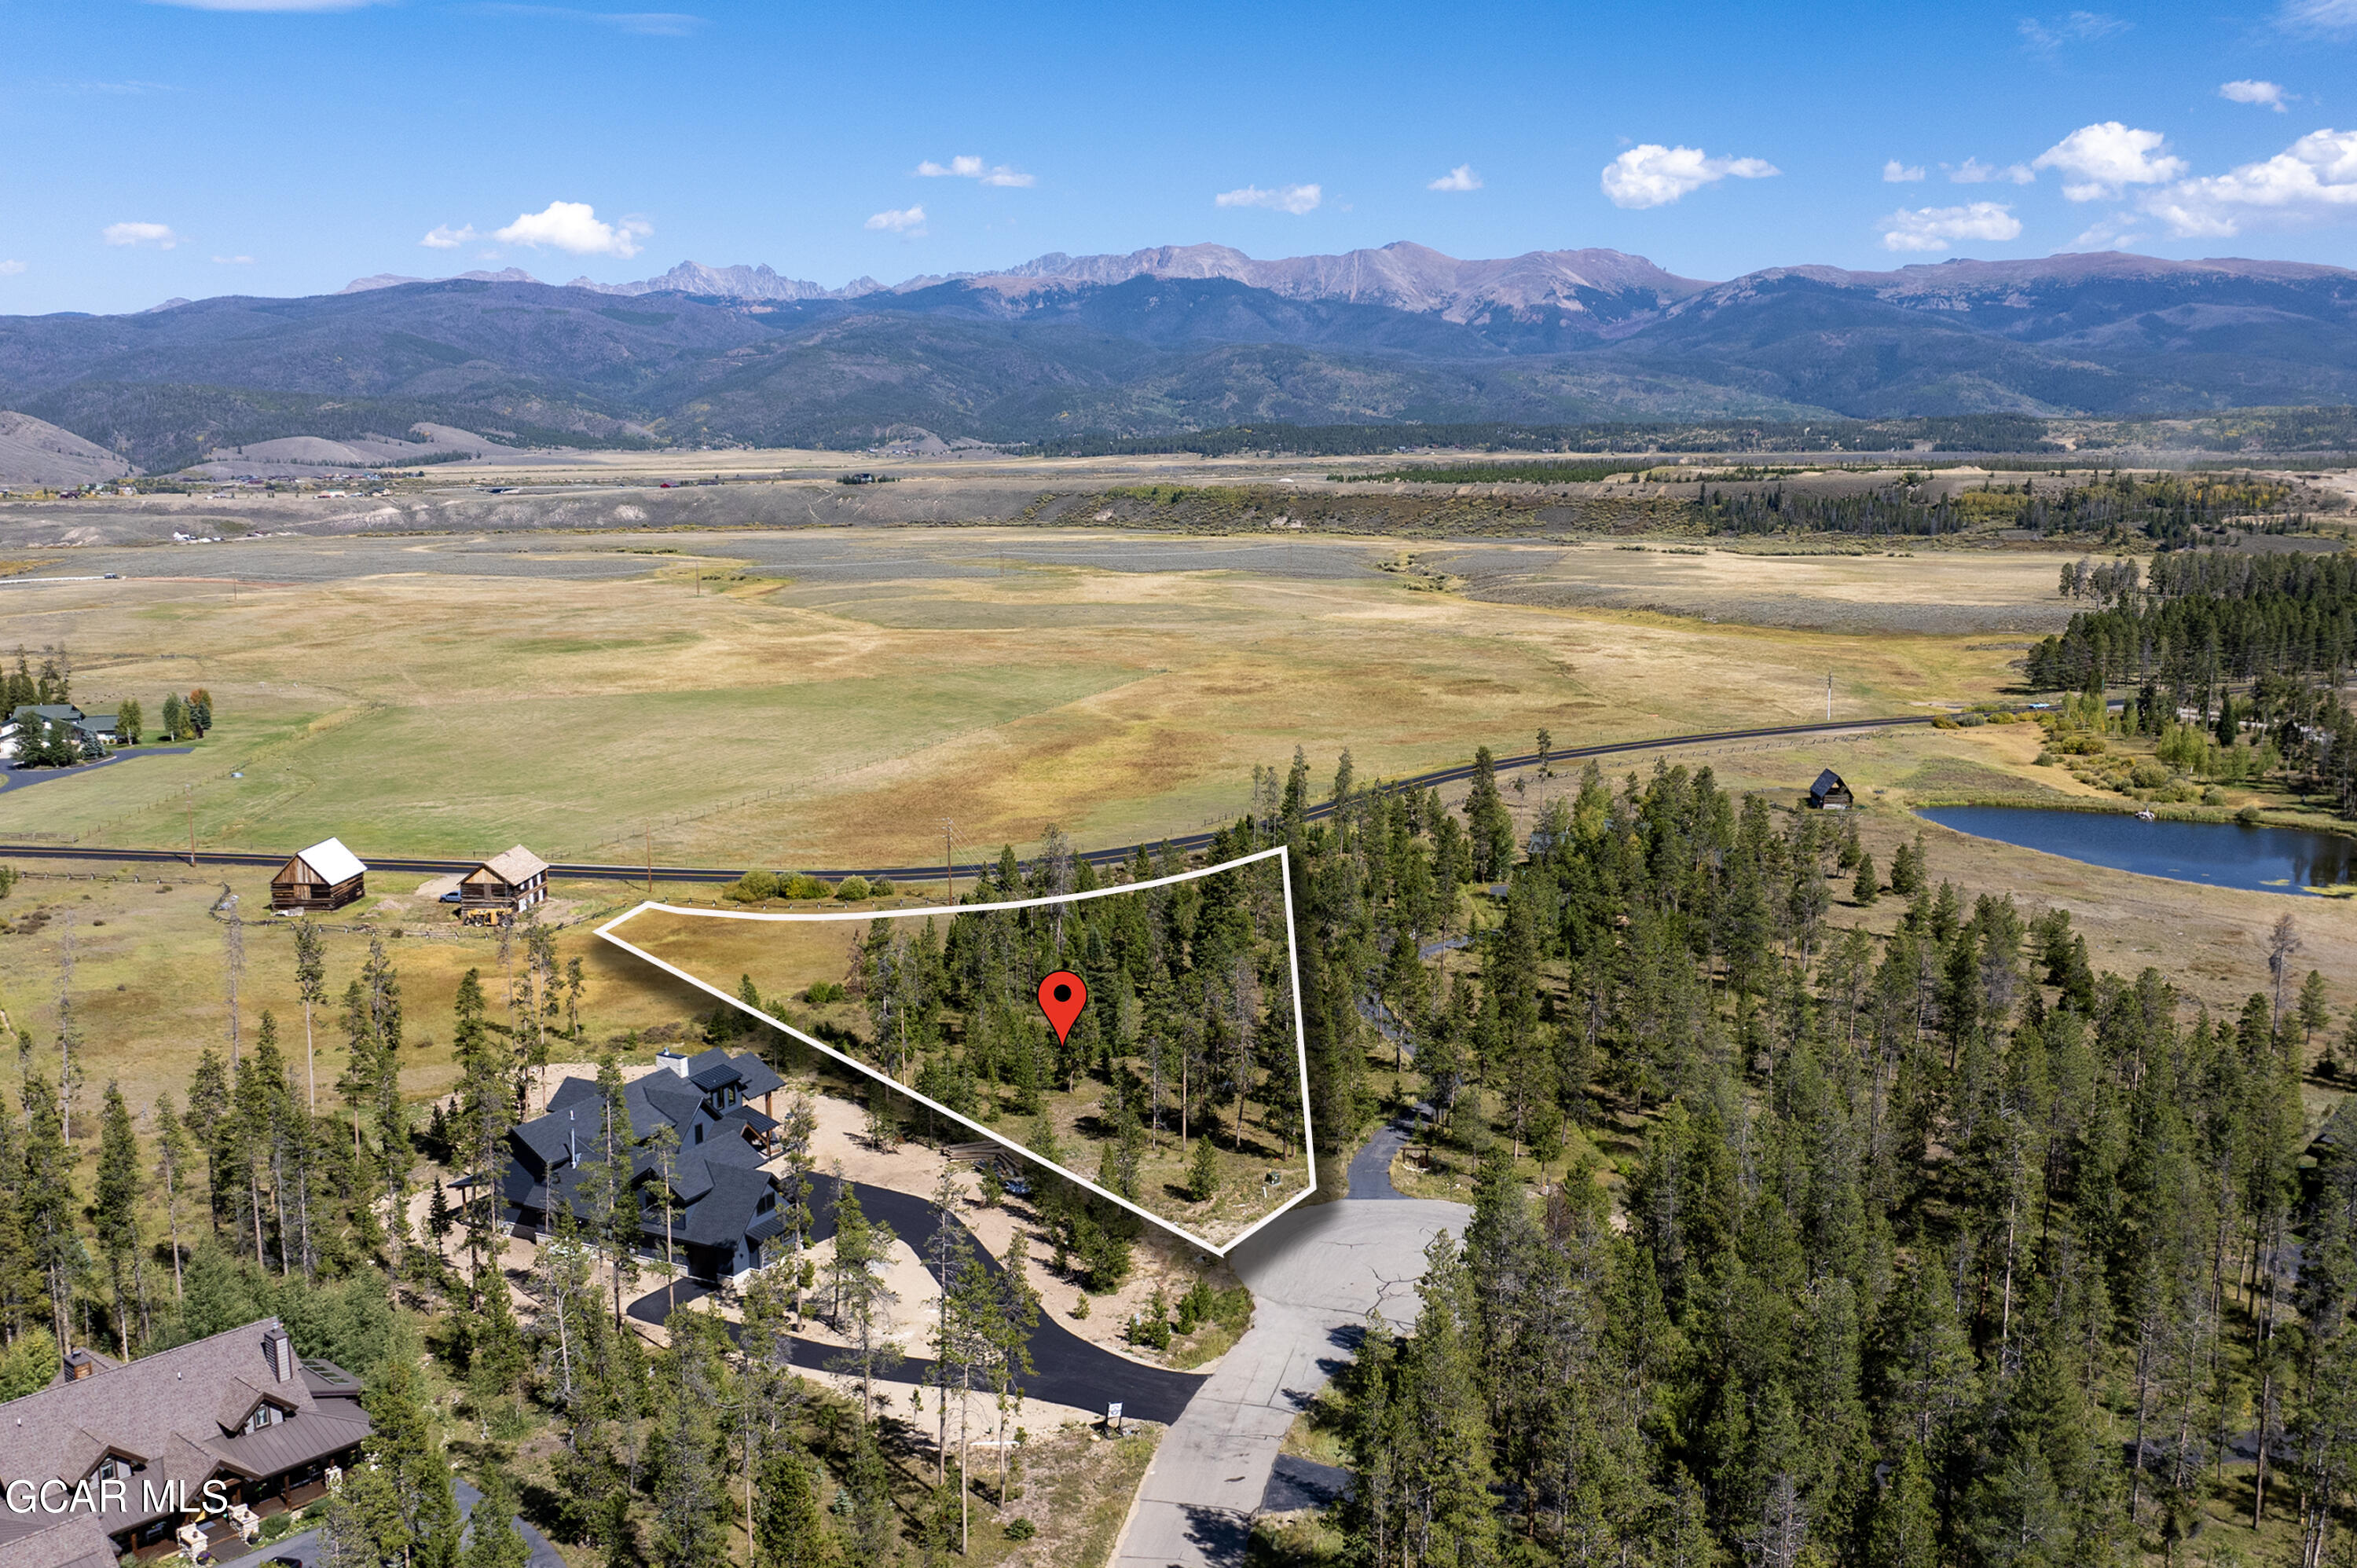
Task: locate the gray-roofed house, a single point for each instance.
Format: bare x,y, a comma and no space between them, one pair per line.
503,888
1829,794
725,1208
122,1447
97,730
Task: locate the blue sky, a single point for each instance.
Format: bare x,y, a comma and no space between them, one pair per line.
275,147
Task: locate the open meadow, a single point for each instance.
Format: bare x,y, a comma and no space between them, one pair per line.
821,698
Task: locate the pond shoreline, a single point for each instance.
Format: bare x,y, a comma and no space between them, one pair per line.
2180,847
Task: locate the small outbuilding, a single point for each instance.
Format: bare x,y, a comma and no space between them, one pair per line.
1829,794
325,876
504,887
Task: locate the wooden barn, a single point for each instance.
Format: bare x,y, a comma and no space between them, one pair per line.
504,887
325,876
1829,794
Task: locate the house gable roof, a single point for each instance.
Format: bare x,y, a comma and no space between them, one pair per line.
176,1414
514,866
1828,782
328,861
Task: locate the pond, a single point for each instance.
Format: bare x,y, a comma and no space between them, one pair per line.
2222,854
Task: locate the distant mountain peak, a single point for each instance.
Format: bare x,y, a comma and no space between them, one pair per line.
394,280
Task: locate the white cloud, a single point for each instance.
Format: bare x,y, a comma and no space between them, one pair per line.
445,238
232,261
2113,232
1972,171
575,227
2313,180
1462,178
909,221
975,169
2319,16
2098,161
1651,175
1939,227
2079,26
1294,198
10,269
1896,173
2266,94
159,235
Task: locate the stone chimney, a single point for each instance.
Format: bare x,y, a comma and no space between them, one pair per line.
281,1351
79,1364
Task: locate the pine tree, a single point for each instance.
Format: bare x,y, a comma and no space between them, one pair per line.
116,1214
492,1539
788,1531
173,1167
1203,1173
397,1506
1867,890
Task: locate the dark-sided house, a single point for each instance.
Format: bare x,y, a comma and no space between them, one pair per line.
503,888
99,1464
1829,794
725,1205
325,876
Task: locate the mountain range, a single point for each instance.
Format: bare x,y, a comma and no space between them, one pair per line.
1188,337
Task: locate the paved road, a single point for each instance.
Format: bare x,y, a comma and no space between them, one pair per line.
1068,1370
1315,1274
1370,1168
617,871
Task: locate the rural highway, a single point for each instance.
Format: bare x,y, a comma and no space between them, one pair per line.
622,872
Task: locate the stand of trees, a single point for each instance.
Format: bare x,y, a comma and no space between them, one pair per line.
1939,1248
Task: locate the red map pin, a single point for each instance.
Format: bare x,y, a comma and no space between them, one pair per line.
1061,997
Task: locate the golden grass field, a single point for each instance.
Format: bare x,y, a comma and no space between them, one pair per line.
449,713
813,724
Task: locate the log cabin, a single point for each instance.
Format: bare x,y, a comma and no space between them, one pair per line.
325,876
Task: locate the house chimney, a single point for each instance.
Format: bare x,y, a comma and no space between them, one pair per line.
281,1350
672,1062
79,1364
572,1144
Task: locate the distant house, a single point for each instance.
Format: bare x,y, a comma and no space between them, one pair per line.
129,1442
1829,794
325,876
97,730
723,1206
504,887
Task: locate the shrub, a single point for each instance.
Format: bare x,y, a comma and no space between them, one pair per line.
2148,775
1021,1529
798,885
822,992
851,888
2043,759
2213,796
881,889
752,887
2248,816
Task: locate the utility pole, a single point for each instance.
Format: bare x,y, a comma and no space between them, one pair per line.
650,860
949,859
188,794
1829,696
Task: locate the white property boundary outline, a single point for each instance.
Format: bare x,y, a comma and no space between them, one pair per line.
1292,958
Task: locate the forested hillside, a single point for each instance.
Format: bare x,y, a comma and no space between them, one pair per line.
1933,1248
1799,1236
